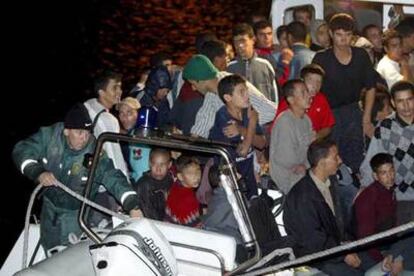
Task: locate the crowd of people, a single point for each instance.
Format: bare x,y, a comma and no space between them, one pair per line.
328,113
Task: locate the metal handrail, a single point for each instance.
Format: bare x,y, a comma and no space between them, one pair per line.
203,146
206,250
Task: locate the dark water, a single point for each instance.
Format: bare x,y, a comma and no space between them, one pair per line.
46,73
53,49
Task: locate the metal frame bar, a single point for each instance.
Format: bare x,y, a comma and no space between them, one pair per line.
190,144
206,250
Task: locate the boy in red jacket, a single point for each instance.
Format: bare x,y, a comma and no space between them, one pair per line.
182,204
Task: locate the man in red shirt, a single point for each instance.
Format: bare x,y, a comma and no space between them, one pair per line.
319,112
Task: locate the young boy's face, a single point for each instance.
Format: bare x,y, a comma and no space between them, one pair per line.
313,83
190,177
240,97
220,62
322,35
375,36
385,174
301,97
112,93
304,17
159,166
264,37
127,116
283,41
341,38
394,49
244,45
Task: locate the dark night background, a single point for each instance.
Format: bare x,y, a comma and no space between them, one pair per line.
54,48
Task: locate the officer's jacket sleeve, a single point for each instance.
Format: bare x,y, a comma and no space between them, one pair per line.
28,154
116,183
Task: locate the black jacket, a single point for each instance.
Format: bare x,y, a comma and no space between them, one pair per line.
151,195
309,220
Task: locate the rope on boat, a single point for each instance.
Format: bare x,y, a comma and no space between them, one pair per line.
73,194
27,223
274,268
333,250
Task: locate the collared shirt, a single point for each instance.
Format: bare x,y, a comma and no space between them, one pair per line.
401,121
323,187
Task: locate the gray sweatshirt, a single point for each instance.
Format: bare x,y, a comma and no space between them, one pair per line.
289,144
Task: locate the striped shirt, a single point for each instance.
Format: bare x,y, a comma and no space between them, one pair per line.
206,115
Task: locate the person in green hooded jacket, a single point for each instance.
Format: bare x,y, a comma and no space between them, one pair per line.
56,154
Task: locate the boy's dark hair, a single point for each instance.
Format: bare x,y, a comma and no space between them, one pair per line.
261,25
304,8
103,79
388,35
243,29
401,86
213,49
312,68
297,30
367,28
160,151
184,161
380,159
227,84
290,86
158,58
280,31
214,176
342,21
319,150
202,38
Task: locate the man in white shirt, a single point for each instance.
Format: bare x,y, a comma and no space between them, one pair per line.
108,90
